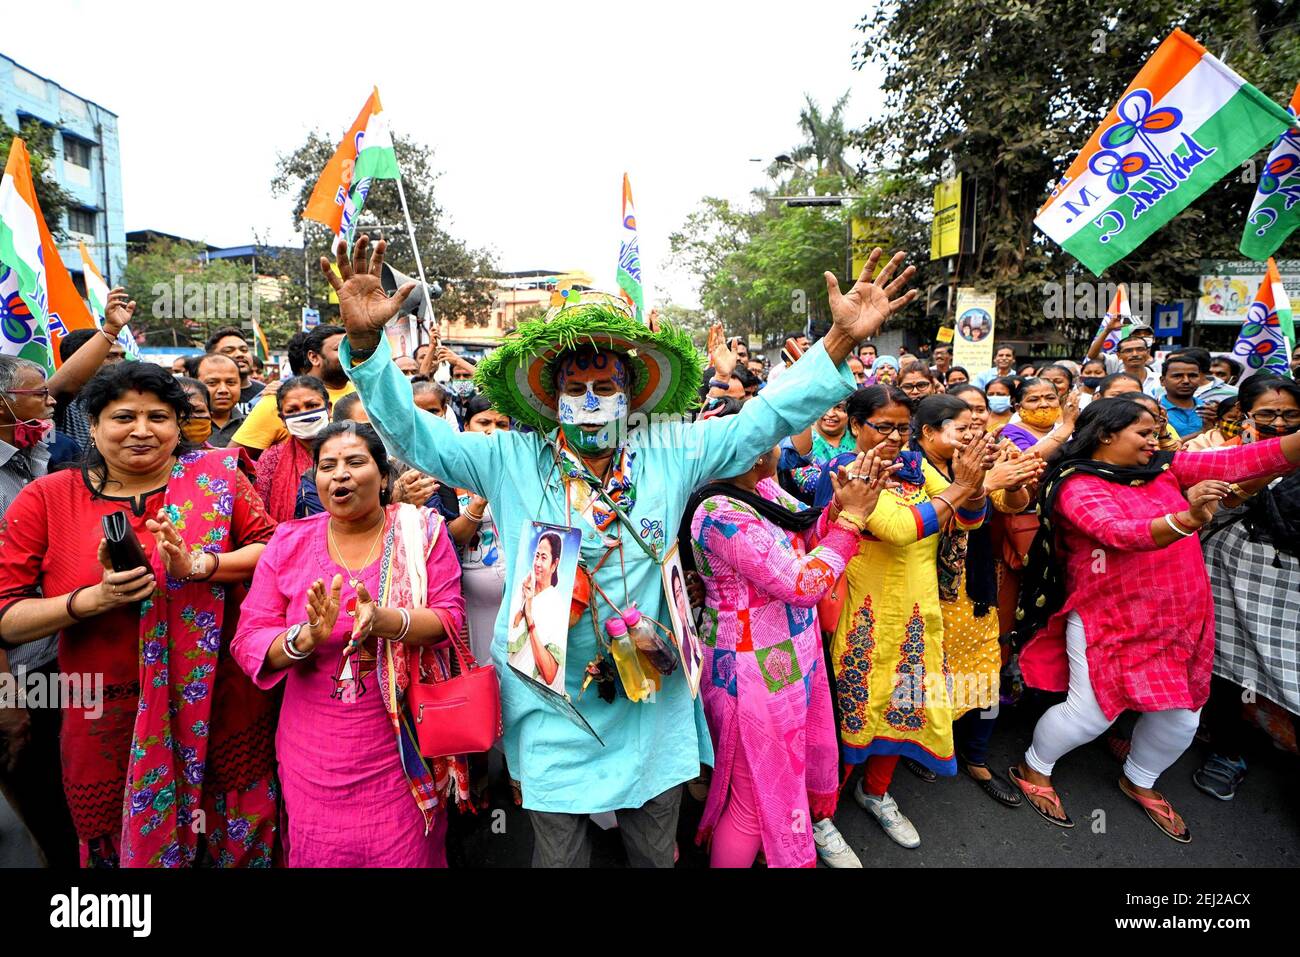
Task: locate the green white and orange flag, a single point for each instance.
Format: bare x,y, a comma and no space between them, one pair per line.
629,256
1118,307
1184,122
365,155
97,295
1275,213
1267,338
38,302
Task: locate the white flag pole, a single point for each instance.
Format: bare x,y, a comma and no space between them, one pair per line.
419,266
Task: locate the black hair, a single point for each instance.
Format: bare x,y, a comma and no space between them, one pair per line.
73,341
258,364
866,402
934,411
1069,373
1232,364
194,385
480,403
343,407
296,347
301,382
192,364
1134,337
1225,406
111,383
915,365
1008,382
961,387
315,341
1101,418
367,434
952,369
1110,380
221,334
1000,348
557,547
1027,383
747,378
1097,361
1186,358
1253,389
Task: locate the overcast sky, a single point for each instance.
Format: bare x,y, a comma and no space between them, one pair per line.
534,110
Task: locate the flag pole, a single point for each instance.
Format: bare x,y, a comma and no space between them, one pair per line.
413,320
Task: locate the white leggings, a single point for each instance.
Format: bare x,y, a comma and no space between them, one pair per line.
1159,738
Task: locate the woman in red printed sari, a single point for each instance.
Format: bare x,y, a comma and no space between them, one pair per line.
170,762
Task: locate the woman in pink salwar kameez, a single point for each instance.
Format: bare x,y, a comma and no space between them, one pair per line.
356,791
766,695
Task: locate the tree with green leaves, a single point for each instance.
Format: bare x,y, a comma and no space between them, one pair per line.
1009,91
182,296
39,138
464,273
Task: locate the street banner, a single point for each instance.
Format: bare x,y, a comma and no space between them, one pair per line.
38,302
97,296
365,155
1267,337
1184,122
1275,213
972,347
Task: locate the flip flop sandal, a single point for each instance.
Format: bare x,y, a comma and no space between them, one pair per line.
995,787
1158,808
1037,790
920,770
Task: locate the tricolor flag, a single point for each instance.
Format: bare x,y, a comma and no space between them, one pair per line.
97,293
365,155
1184,122
1267,337
1275,213
629,256
261,348
1118,307
38,302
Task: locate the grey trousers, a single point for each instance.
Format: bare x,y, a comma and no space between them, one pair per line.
561,840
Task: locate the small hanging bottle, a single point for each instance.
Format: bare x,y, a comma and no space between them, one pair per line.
637,683
647,640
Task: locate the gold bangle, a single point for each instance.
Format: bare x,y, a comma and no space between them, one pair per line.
857,521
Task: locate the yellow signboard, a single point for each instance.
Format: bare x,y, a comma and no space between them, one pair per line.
945,334
867,234
945,231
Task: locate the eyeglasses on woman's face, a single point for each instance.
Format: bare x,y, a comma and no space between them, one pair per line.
1271,416
887,429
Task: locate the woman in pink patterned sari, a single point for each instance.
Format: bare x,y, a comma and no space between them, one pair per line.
345,609
766,695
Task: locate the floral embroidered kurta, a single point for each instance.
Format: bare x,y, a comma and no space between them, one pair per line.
891,676
1147,610
764,685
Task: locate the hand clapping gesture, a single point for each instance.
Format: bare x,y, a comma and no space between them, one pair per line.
322,613
177,559
858,486
970,464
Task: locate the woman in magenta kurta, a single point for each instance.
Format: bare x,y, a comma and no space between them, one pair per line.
1117,605
356,794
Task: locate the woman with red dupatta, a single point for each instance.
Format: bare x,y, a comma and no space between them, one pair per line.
304,406
171,764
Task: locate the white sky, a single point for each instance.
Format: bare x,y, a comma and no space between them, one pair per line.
534,110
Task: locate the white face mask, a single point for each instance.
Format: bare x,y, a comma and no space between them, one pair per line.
307,425
592,409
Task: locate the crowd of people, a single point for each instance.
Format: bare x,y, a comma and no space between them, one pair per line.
881,552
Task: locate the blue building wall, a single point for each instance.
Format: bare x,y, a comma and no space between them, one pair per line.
25,94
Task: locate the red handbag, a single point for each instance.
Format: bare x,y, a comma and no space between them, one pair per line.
460,714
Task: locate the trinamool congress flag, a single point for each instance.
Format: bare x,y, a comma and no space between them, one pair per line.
1183,123
365,155
1275,213
629,256
1118,307
97,294
1267,337
38,302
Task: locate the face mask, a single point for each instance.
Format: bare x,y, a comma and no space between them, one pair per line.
1230,430
1265,431
1092,381
999,403
1041,418
592,409
197,431
29,433
307,425
462,388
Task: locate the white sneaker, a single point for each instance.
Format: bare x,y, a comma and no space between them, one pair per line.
885,810
831,846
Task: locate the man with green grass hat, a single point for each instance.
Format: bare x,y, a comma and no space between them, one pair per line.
614,453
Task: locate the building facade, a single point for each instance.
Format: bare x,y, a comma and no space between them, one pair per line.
87,165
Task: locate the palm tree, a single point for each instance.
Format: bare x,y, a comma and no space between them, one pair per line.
825,138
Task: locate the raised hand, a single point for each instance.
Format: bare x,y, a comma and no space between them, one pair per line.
117,311
1204,499
721,357
364,307
968,467
863,310
414,488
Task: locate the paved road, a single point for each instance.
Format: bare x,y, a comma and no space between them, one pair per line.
961,827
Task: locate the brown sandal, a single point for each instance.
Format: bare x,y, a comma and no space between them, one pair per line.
1044,791
1160,811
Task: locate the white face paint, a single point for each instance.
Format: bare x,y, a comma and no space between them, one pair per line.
592,409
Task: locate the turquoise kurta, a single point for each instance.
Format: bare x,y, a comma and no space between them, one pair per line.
649,746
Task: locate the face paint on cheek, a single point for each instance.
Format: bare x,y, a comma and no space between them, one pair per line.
592,409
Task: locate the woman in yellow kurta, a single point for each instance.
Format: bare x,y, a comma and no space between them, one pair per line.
968,586
890,674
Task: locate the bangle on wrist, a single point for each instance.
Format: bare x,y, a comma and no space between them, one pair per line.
476,519
72,595
111,339
1174,524
290,649
216,564
856,519
406,625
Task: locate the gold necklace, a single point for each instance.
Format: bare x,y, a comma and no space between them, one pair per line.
351,606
